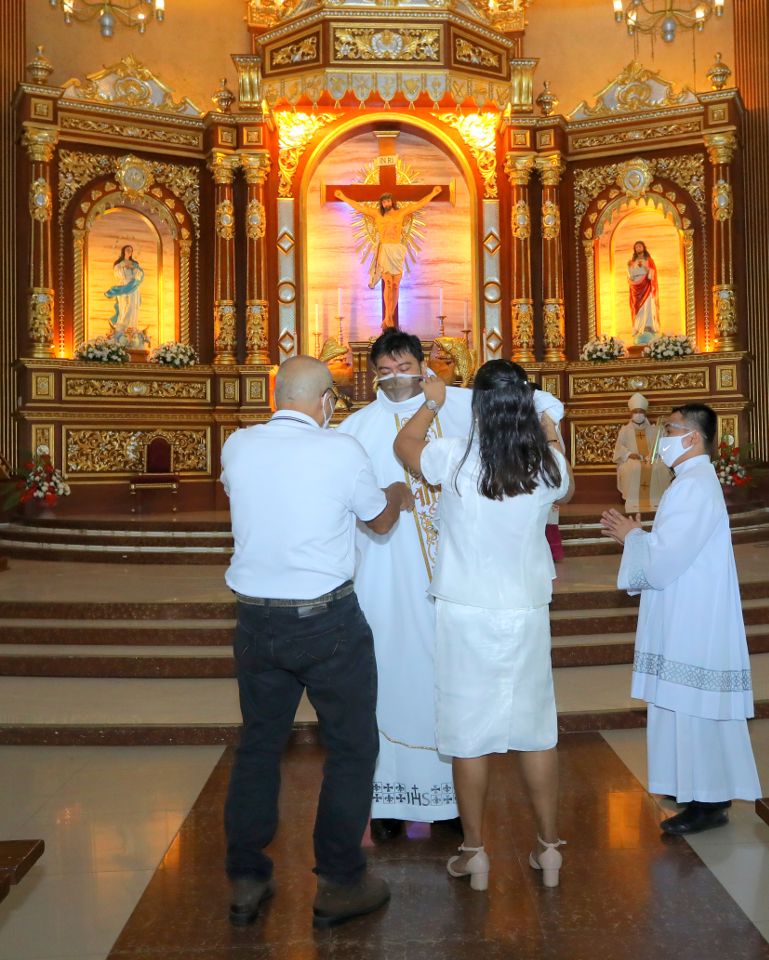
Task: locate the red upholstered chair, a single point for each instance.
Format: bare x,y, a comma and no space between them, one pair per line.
158,470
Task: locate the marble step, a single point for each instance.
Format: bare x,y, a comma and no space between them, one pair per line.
112,711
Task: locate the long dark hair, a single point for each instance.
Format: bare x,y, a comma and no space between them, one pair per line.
128,246
387,196
645,253
514,452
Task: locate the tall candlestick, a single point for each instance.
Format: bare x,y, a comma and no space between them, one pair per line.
440,301
317,318
339,301
466,323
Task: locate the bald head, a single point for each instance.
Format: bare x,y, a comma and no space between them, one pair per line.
300,384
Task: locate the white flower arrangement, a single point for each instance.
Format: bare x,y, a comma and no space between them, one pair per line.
173,354
102,350
668,346
602,349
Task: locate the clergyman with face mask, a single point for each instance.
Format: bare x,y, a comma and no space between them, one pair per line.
412,782
691,662
296,491
640,481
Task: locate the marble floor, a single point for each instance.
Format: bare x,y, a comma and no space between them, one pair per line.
134,850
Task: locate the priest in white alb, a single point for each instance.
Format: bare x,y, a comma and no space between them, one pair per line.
691,661
412,782
640,479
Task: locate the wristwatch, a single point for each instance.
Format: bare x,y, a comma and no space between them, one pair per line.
433,406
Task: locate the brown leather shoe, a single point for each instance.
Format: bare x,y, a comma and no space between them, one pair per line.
337,902
248,894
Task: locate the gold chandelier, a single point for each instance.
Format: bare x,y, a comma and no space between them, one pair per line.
667,16
131,13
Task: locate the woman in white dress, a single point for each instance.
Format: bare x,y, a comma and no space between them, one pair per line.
492,587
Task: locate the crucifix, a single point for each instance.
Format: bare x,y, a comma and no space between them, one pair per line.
387,218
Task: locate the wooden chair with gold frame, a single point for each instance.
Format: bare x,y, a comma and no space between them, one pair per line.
158,470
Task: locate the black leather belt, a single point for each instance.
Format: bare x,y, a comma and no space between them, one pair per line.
304,608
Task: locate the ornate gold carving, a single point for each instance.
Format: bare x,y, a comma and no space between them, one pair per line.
691,311
122,451
40,142
551,168
256,332
478,131
40,67
129,83
185,248
255,219
405,44
554,326
40,203
726,377
264,14
302,51
688,172
720,147
40,321
131,131
249,67
681,380
634,177
256,166
133,175
522,318
722,203
223,166
225,220
225,342
551,220
522,85
589,251
518,167
43,386
520,220
719,73
547,100
117,387
725,310
472,53
633,90
295,130
594,443
507,16
652,132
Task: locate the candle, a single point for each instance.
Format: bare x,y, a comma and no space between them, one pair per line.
317,318
440,301
466,323
339,301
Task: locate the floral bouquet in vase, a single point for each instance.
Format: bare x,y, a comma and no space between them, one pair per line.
38,482
602,349
730,471
669,346
174,355
102,350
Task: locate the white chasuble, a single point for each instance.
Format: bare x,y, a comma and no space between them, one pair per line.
691,655
393,572
641,483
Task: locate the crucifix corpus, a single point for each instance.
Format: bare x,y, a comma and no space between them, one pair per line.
388,207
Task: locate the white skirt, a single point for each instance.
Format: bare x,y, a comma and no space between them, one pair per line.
695,758
493,680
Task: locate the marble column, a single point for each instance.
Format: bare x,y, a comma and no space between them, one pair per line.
223,167
518,168
40,143
551,169
721,147
256,167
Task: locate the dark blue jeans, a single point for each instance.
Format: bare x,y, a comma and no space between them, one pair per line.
278,654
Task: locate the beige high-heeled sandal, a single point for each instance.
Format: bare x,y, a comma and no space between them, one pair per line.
477,867
548,861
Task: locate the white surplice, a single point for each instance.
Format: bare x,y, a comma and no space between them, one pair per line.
412,782
691,660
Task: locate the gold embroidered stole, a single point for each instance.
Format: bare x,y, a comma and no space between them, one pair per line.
426,499
645,478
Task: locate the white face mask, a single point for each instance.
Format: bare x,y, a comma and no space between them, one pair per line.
639,418
671,448
328,415
400,386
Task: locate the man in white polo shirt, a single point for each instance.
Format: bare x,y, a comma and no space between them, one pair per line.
296,492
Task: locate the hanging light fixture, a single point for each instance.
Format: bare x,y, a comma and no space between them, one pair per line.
130,13
667,16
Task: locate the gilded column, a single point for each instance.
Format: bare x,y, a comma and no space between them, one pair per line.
257,167
40,143
223,167
518,168
721,147
551,169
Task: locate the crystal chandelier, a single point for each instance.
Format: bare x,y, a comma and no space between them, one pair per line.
131,13
665,17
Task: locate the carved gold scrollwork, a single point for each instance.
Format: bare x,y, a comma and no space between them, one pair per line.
520,220
40,203
725,309
522,319
255,219
77,387
225,341
40,142
722,203
589,251
256,166
634,177
256,332
554,326
185,248
134,175
40,321
551,220
475,55
691,314
518,168
420,44
551,168
720,147
225,220
478,131
223,167
301,51
295,130
122,451
627,383
594,443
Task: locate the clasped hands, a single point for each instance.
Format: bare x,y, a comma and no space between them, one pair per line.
617,526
